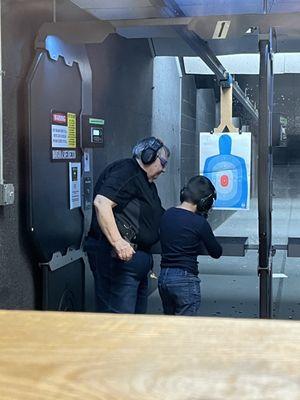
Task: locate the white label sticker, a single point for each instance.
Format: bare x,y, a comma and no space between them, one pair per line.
63,154
74,185
59,136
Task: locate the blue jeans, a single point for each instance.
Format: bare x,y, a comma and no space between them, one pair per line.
120,287
179,291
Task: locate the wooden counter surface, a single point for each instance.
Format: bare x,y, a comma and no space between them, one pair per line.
47,356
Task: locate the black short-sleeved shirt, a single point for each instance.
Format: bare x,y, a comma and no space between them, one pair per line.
126,184
182,235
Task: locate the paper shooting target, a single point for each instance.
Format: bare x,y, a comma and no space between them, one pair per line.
225,159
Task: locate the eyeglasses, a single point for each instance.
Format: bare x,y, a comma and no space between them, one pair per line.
163,161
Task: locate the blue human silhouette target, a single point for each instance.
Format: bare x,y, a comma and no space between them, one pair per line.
225,158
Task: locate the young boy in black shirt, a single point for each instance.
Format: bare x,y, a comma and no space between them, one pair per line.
183,232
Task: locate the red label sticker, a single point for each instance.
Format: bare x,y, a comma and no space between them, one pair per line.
59,118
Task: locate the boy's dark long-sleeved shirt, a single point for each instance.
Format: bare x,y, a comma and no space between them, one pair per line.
182,235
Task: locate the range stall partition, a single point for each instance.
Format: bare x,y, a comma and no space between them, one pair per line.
61,135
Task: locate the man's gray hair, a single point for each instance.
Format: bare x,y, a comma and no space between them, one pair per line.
145,144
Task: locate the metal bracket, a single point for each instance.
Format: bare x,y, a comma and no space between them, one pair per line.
227,82
259,269
268,267
80,32
274,247
7,194
226,111
251,247
293,247
264,36
58,260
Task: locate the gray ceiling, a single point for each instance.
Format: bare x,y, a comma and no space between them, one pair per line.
134,9
151,19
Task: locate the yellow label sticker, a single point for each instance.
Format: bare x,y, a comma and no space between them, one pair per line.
71,130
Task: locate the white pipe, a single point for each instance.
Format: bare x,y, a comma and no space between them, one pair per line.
1,101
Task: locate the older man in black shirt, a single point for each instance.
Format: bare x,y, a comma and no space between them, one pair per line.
125,224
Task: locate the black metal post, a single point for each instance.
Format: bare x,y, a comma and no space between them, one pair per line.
265,176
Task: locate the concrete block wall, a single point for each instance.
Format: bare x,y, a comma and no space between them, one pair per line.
19,278
189,139
166,123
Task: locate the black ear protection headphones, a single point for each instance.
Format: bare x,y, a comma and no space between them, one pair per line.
204,204
149,154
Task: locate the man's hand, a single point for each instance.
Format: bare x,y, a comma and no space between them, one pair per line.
106,220
123,249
